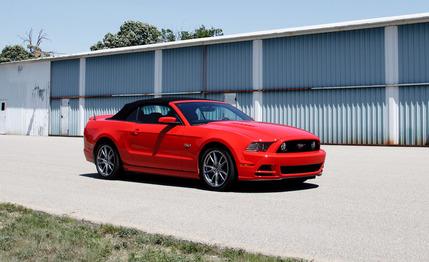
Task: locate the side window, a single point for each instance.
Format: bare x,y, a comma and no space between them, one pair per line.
132,117
150,114
216,113
3,106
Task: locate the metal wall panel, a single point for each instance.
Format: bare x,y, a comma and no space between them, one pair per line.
229,66
337,116
65,78
55,118
245,103
73,123
414,116
413,53
73,118
330,59
182,69
107,106
120,74
186,96
24,87
218,97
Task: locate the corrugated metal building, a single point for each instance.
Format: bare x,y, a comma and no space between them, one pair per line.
24,98
359,82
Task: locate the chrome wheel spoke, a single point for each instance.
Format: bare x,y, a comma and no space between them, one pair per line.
110,155
210,169
223,175
211,158
215,178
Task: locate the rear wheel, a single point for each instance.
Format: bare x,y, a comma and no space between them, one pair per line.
107,161
217,169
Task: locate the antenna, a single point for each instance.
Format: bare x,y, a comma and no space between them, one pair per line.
95,117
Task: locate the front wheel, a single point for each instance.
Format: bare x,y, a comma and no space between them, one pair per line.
217,169
107,161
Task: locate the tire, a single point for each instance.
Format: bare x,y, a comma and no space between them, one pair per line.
217,169
107,161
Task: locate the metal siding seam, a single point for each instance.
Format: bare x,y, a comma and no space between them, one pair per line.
82,73
392,79
158,73
257,79
205,81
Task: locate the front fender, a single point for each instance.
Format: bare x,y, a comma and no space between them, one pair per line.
236,145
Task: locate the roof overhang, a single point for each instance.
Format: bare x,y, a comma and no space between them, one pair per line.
324,28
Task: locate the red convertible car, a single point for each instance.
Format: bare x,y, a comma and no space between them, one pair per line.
202,139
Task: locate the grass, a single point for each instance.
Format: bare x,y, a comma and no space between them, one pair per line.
27,235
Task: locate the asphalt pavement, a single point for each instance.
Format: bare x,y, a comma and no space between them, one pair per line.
372,203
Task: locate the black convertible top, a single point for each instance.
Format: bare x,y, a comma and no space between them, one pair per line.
128,108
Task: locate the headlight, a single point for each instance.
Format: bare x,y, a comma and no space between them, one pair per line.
258,146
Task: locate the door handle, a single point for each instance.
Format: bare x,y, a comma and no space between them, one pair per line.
136,132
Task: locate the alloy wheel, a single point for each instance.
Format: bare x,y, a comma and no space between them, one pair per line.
215,168
106,160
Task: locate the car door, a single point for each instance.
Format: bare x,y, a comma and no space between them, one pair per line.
153,144
170,148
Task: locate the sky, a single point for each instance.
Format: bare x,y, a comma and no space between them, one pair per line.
73,26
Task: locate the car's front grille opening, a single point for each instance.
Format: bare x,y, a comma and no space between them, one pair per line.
300,169
299,146
266,168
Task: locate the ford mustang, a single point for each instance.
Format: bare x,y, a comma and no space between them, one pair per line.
201,139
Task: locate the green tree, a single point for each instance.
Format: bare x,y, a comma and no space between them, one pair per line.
130,33
200,32
14,53
167,35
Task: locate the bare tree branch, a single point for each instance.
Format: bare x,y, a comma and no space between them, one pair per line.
41,37
34,45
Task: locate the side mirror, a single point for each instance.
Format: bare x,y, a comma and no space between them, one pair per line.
169,120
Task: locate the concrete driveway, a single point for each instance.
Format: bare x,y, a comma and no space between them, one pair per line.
372,204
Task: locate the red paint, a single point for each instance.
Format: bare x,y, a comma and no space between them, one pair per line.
169,148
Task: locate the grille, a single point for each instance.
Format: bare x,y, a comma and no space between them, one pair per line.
300,169
299,146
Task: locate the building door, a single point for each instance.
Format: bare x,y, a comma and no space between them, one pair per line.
64,113
2,117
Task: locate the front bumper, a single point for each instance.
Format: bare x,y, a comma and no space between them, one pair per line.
273,166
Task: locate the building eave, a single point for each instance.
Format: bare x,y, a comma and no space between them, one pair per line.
304,30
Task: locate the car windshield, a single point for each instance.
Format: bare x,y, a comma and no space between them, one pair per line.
205,112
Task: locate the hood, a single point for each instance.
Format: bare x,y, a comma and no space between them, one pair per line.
261,131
